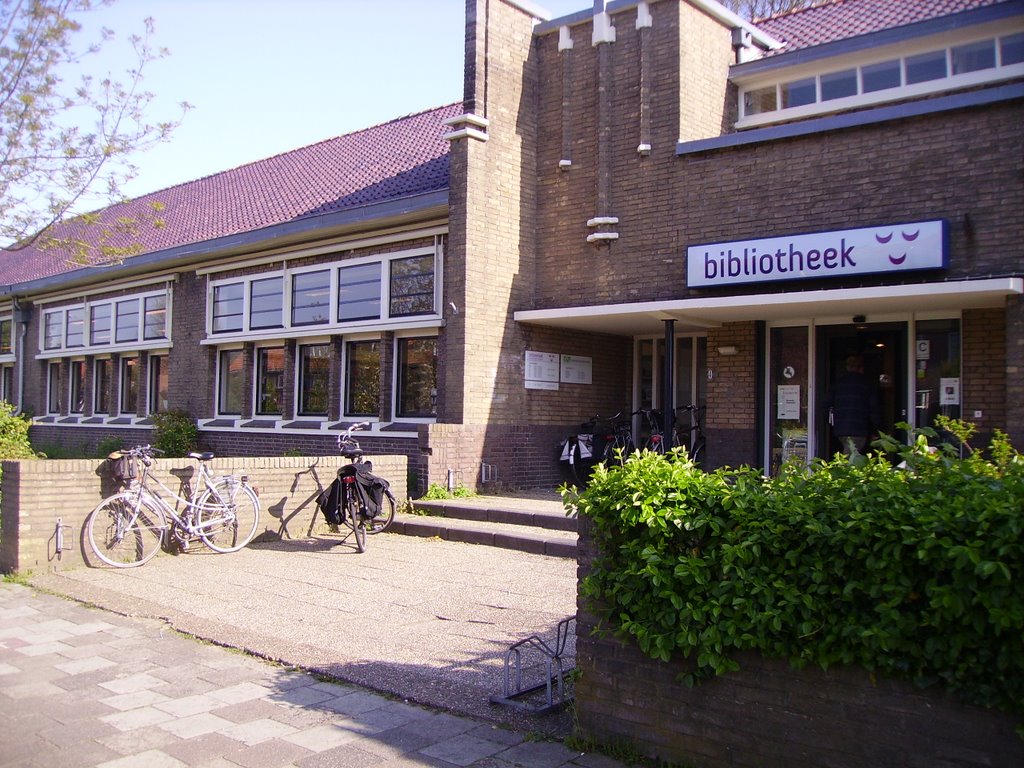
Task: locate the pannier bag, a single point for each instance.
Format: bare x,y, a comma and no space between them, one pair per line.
123,468
352,478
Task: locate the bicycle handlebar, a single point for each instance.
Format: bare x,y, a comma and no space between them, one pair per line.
346,442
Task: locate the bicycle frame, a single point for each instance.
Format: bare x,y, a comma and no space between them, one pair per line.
185,521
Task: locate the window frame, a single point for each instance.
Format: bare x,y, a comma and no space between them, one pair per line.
77,387
128,385
57,322
398,384
260,374
220,383
102,390
301,411
754,92
156,370
346,377
8,353
53,377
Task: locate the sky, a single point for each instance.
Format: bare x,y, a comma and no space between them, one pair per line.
268,76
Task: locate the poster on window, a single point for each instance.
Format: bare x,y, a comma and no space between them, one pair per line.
949,391
788,407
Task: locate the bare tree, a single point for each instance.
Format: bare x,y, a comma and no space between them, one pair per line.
64,144
762,9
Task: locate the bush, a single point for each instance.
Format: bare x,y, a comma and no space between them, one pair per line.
14,442
175,433
915,571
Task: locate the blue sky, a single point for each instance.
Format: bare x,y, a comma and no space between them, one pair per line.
267,76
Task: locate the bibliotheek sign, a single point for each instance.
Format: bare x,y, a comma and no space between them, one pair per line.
839,253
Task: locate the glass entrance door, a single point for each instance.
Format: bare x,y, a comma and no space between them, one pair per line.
881,350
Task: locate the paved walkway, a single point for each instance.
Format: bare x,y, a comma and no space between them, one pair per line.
412,621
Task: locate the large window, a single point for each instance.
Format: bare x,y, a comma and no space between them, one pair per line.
126,323
269,381
311,293
314,377
394,285
103,374
53,388
6,337
129,385
266,303
77,387
75,328
230,382
227,307
155,322
99,324
362,378
417,377
412,286
158,384
53,329
359,292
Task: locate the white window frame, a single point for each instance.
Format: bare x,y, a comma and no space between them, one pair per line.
343,373
96,364
297,399
256,376
396,379
53,376
777,78
12,355
217,382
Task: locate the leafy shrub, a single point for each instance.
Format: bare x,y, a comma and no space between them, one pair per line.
915,571
14,442
175,433
438,492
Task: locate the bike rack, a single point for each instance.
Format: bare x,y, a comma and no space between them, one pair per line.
554,682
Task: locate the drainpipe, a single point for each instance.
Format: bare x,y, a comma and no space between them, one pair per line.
21,317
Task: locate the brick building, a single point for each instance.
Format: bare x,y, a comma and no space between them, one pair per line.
641,205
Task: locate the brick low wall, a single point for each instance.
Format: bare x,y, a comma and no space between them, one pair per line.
768,714
36,495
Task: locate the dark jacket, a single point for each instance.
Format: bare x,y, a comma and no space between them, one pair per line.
854,405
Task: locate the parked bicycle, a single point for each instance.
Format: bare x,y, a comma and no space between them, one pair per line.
654,428
127,529
593,443
689,430
357,497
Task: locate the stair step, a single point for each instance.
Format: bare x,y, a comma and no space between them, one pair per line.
523,538
535,513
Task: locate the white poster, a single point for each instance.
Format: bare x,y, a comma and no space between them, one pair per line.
541,370
788,408
949,391
577,370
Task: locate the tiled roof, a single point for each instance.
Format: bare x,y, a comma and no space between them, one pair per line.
833,20
406,156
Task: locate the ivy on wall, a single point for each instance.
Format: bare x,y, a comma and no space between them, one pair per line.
909,563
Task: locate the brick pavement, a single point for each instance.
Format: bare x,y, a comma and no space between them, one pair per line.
81,686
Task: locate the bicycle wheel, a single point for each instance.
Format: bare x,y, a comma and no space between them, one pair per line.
125,531
387,516
698,454
228,515
357,522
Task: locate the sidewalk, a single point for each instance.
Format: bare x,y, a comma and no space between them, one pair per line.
412,621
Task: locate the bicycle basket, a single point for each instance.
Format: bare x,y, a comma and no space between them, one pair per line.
124,469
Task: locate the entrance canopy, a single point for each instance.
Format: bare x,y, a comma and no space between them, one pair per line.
694,315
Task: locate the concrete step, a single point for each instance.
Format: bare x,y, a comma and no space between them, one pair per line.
536,525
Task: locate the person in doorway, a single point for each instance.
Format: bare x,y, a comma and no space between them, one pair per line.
853,407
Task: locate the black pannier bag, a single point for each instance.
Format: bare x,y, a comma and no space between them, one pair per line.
370,487
122,468
329,502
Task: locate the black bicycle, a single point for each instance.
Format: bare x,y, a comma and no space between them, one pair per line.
598,440
357,497
689,430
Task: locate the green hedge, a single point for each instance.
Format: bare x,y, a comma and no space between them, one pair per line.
915,571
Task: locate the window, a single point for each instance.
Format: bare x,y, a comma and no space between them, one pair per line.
227,307
417,377
158,384
926,66
760,100
1011,49
973,57
412,286
838,85
99,324
103,373
269,381
75,329
53,329
129,385
310,297
7,383
799,92
155,317
266,303
359,292
53,388
314,375
126,325
6,337
231,382
362,378
77,400
879,77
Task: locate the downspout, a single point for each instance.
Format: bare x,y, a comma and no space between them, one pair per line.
21,317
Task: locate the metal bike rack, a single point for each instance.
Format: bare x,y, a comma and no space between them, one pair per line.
517,693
